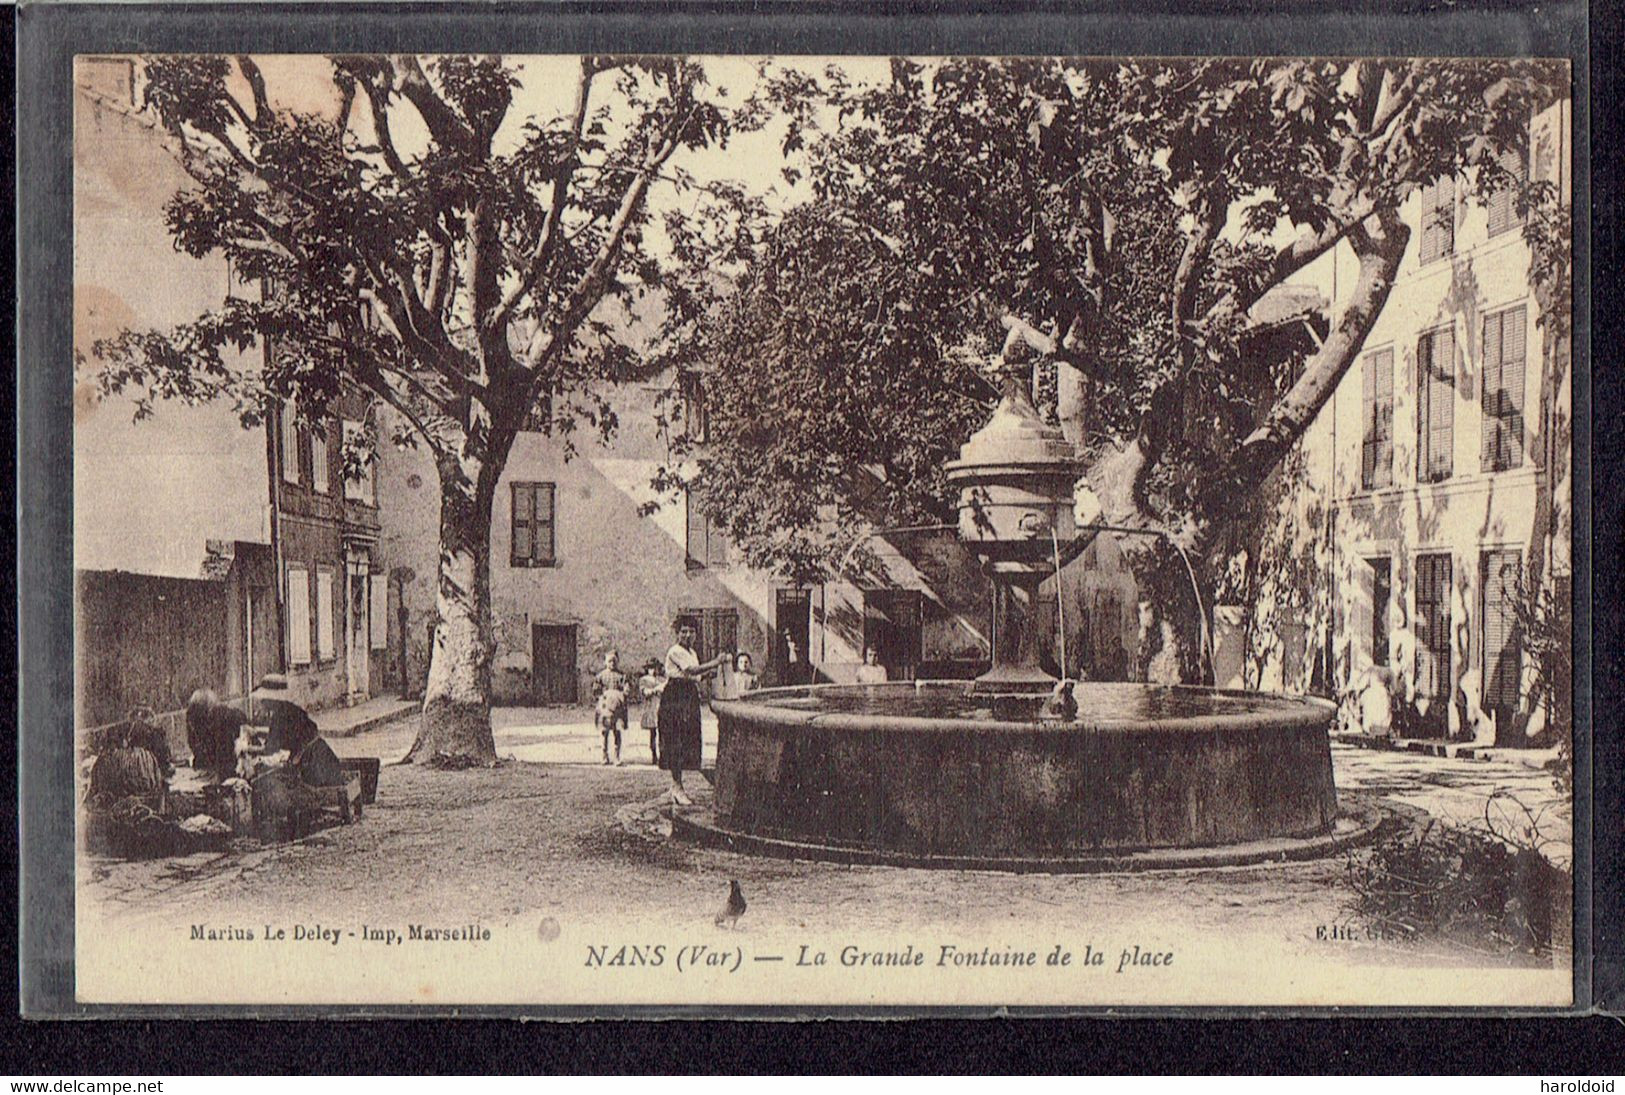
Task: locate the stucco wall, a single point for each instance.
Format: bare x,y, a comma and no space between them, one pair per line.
147,495
1473,511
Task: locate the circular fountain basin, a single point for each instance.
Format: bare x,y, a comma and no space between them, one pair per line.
934,774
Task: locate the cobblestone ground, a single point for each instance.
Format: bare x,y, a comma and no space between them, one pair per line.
551,832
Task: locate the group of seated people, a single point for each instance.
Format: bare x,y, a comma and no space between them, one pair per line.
129,792
223,747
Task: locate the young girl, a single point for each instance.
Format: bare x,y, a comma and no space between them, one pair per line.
679,719
649,686
610,689
744,674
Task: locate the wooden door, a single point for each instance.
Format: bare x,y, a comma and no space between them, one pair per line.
553,663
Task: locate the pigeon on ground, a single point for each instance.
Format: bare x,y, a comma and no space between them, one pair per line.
735,906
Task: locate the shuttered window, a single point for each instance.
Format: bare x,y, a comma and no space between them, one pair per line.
707,547
1433,628
534,541
1438,220
1503,204
1503,649
1435,404
1382,591
1377,447
1505,340
325,607
298,615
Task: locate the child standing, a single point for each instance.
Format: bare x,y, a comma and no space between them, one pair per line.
609,690
649,686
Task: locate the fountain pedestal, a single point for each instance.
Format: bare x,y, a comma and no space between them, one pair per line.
1015,479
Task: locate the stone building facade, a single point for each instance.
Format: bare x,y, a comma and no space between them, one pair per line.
578,568
1441,469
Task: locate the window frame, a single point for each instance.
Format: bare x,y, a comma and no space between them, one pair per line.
533,490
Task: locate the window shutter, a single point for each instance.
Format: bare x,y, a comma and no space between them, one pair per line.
318,462
1433,626
1368,444
524,502
1381,593
698,548
1514,347
1503,214
1490,397
362,488
716,545
1445,215
1440,380
290,442
542,534
298,616
1385,418
1502,653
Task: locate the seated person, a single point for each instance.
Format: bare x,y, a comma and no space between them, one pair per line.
294,732
212,729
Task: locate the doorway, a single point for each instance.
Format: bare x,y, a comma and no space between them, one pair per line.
792,623
553,663
358,633
891,625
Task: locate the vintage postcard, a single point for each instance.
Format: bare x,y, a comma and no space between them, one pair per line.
822,531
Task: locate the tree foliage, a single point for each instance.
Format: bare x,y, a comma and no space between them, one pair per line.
1120,218
427,243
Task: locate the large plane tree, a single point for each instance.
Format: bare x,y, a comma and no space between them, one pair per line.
1117,219
432,244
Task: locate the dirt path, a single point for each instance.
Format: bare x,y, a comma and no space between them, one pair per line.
539,837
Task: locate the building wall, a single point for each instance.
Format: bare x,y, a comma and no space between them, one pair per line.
1474,510
151,640
620,576
151,497
324,530
147,495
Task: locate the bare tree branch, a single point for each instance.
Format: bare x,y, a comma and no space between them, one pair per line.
547,241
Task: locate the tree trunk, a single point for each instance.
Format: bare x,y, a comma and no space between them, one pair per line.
456,729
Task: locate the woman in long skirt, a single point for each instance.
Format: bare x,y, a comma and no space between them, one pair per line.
680,706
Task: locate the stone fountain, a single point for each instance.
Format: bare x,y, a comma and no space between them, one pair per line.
981,774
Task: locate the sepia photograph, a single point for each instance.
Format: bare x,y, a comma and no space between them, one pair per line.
818,532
